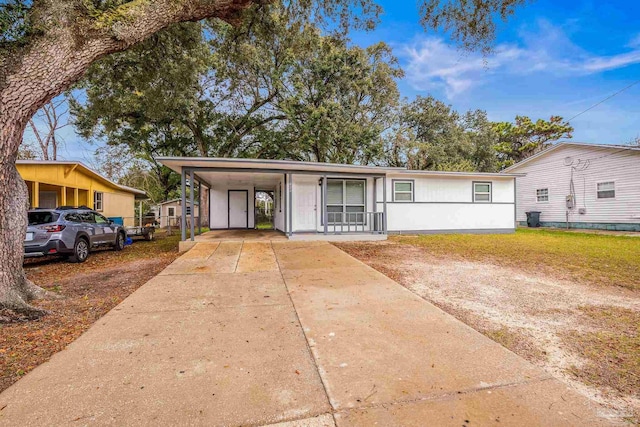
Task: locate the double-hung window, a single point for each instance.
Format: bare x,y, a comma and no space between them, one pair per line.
606,190
346,201
97,200
403,191
542,195
482,192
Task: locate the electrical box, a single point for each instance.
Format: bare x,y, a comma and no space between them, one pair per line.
570,202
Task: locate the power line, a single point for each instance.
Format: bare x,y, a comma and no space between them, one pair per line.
606,99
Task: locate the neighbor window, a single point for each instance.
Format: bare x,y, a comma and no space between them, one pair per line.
97,200
606,190
171,211
542,195
482,192
403,191
345,201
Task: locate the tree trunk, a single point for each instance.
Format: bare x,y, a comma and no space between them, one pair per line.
33,75
15,289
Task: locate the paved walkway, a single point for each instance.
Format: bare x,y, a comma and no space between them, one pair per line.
298,333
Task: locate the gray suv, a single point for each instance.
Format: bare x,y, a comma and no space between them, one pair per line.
70,232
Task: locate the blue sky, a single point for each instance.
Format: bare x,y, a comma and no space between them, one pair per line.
552,58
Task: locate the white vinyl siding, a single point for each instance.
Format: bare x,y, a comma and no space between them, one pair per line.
542,195
482,192
603,165
606,190
403,191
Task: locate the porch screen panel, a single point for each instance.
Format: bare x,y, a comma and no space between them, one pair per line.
345,201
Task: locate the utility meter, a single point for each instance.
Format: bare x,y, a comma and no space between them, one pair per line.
570,202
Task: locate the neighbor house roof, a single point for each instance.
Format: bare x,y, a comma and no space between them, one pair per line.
139,194
176,200
178,163
566,144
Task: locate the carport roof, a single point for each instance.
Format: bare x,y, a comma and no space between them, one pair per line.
179,163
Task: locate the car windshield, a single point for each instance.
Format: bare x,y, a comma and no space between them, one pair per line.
44,217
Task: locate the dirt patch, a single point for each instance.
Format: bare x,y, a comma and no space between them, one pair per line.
553,322
90,290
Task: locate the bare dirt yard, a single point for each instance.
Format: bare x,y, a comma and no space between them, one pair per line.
89,290
568,302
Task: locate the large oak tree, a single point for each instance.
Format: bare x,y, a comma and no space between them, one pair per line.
47,45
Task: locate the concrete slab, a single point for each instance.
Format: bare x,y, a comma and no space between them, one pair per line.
310,255
542,403
257,256
201,251
236,366
203,291
223,260
325,420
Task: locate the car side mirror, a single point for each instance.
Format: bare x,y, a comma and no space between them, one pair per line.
111,222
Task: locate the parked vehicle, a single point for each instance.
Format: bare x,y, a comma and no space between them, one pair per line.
70,232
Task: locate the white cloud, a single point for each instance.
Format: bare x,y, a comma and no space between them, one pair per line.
432,64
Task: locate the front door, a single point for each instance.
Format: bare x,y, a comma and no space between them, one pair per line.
304,205
238,208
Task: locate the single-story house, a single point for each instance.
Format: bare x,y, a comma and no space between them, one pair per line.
336,201
577,185
53,183
170,212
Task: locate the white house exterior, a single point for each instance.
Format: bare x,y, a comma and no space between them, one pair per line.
337,202
581,186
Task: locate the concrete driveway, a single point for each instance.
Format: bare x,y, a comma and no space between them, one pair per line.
298,333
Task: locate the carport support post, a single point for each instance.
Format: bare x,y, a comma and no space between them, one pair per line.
199,207
289,199
192,188
325,215
183,205
384,204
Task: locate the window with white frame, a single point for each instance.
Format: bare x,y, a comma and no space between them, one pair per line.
97,200
346,201
606,190
482,192
542,195
403,191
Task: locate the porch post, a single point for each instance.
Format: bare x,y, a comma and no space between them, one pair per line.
290,199
76,197
63,196
36,195
183,205
325,214
384,204
139,213
192,187
199,207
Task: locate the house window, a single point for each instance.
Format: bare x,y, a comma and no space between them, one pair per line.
606,190
542,195
171,212
482,192
345,201
403,191
97,200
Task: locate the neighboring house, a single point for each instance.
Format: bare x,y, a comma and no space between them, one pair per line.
324,200
581,186
170,212
67,183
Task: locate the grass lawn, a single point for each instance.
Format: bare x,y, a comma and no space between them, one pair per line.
567,301
607,260
90,290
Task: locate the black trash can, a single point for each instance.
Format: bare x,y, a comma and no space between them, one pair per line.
533,219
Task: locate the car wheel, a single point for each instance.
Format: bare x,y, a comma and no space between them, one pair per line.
80,251
149,236
119,242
